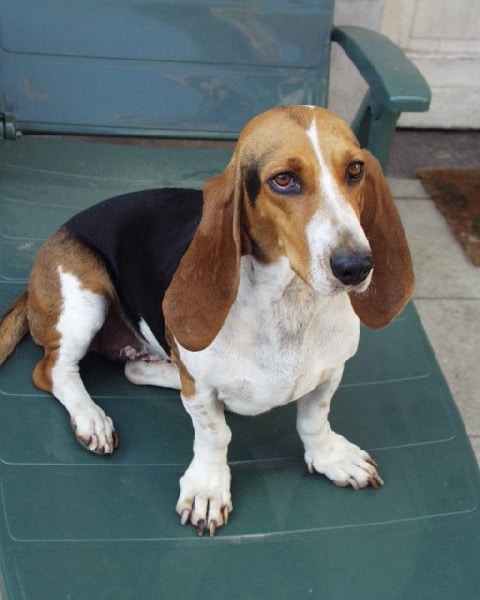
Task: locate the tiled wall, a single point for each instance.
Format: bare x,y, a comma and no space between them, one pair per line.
442,37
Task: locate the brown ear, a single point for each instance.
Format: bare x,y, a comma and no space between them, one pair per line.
393,279
205,284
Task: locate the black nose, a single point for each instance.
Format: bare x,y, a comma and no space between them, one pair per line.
351,268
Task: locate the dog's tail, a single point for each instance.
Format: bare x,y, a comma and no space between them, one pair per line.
13,326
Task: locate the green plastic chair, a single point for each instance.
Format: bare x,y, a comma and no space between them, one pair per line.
116,80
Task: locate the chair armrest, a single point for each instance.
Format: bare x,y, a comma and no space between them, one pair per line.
394,80
395,86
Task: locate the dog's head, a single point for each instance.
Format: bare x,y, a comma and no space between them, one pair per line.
297,186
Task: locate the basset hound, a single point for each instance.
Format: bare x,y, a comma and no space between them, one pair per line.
245,297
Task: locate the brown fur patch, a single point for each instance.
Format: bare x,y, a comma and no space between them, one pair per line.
393,279
205,284
13,326
45,298
186,380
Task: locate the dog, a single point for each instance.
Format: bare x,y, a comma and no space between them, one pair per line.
245,297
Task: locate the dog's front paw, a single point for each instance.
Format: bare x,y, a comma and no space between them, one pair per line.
94,430
344,463
205,498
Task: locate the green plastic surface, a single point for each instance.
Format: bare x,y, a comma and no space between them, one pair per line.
79,526
193,68
186,69
398,84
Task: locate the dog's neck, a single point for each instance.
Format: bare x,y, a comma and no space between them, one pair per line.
274,282
276,276
274,304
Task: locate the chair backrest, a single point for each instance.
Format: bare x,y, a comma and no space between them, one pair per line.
175,68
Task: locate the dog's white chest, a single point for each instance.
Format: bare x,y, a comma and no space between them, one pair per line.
278,343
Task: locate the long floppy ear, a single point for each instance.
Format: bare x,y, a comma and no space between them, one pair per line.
393,280
205,284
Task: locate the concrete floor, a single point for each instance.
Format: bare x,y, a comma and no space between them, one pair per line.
448,285
447,298
419,148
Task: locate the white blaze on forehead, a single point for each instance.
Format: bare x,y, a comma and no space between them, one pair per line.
334,205
328,185
333,223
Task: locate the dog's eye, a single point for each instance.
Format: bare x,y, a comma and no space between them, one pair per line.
355,171
285,183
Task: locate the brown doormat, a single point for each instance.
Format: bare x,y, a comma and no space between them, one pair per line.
456,192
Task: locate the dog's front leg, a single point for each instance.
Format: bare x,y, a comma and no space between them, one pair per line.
328,452
205,498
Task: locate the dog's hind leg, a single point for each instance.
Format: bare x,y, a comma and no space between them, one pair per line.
66,339
161,373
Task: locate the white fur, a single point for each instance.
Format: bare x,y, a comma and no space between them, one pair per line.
162,373
151,339
83,314
269,347
334,220
274,348
281,342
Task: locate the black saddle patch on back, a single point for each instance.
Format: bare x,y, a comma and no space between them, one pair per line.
141,236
